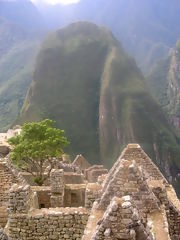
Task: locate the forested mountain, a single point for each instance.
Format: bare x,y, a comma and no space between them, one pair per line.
164,83
142,26
86,82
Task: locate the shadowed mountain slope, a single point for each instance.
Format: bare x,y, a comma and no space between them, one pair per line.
86,82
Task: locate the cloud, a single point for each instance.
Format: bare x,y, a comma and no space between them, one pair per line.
56,1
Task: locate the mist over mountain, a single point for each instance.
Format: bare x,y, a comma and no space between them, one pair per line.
144,27
21,12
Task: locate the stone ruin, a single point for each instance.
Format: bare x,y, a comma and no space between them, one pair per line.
133,201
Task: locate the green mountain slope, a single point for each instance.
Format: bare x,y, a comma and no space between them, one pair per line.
86,82
164,82
17,55
16,73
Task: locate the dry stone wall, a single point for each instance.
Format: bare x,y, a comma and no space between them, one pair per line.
121,221
135,152
128,180
57,188
173,216
94,172
172,211
56,224
28,224
92,193
20,199
81,163
67,167
6,181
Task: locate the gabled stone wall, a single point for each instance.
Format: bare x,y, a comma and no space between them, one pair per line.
128,180
94,172
121,221
136,153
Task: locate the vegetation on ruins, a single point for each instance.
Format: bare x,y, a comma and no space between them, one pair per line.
36,146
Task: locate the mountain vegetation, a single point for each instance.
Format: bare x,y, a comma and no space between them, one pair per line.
86,82
18,49
164,83
142,27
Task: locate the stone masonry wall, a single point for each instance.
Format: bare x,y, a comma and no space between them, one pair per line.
20,199
57,224
121,221
57,188
6,181
172,211
26,223
94,172
92,193
128,180
173,216
136,153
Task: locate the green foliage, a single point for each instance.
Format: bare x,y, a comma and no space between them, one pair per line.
37,144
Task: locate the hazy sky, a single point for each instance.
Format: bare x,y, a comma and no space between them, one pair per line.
57,1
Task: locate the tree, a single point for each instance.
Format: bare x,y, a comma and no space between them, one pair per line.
35,148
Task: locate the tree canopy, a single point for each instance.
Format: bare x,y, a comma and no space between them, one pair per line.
36,146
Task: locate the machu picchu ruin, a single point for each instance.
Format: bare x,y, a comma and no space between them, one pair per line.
132,201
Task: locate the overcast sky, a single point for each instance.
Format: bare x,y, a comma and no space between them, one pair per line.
56,1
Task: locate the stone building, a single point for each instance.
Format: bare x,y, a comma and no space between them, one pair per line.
133,201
